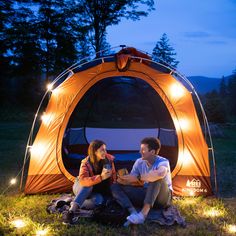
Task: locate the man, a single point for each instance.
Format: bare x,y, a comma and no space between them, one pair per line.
153,173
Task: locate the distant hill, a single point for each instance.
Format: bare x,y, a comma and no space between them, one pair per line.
204,84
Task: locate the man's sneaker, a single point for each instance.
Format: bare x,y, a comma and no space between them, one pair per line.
136,218
69,218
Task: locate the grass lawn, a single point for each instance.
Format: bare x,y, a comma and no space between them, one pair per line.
204,216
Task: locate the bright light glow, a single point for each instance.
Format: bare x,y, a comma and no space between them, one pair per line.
49,87
189,201
176,91
18,223
13,181
184,124
46,118
231,229
187,158
37,149
41,232
191,193
213,213
56,91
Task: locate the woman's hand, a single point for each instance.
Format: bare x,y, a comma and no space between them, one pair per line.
106,174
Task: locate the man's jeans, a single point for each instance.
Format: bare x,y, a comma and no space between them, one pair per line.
156,194
85,197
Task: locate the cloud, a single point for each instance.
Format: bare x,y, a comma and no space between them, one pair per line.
150,43
197,34
217,42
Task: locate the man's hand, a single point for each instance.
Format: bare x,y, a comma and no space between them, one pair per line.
155,175
127,179
106,173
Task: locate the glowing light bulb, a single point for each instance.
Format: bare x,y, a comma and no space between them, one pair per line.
37,149
213,213
187,158
49,87
13,181
46,118
191,193
231,229
56,91
176,91
18,223
41,232
184,123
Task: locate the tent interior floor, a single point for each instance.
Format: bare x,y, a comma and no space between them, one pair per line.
73,166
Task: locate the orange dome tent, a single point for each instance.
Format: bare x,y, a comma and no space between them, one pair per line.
47,171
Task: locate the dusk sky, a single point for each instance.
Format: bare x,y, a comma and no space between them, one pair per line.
203,34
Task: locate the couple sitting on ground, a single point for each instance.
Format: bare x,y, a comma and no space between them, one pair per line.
148,184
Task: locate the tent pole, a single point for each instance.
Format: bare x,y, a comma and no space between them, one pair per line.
206,126
211,143
30,140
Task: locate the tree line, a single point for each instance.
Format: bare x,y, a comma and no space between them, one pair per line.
220,105
44,37
41,38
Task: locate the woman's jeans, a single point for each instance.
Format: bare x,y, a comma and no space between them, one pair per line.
156,194
85,197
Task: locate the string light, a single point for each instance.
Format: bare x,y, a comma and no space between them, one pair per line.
13,181
37,149
46,118
186,158
191,193
57,91
41,232
184,123
176,91
49,87
29,147
231,229
18,223
213,213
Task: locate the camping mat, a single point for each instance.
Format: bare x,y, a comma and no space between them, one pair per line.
168,216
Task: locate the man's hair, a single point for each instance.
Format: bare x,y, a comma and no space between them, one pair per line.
153,143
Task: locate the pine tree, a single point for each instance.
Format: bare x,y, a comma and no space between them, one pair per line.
58,40
215,107
22,52
232,94
223,88
97,15
6,15
164,53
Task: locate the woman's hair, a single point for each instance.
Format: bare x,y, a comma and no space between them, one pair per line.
93,147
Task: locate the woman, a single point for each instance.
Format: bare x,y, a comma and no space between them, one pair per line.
94,180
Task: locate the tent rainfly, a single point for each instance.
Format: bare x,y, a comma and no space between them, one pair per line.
47,172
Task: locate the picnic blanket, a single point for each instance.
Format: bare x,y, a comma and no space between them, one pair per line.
168,216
